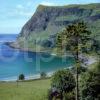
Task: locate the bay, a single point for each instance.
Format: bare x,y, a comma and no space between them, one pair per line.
15,62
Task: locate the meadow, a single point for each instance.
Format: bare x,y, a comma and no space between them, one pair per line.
26,90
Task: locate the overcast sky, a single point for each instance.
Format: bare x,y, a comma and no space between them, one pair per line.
15,13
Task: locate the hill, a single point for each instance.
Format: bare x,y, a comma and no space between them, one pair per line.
39,33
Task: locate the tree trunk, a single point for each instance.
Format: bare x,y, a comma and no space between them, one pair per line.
77,90
77,65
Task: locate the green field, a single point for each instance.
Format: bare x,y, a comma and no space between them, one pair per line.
29,90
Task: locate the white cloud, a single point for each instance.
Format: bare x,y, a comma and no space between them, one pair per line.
19,6
21,13
22,10
16,13
47,3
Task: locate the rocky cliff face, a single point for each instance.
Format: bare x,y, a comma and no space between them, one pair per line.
40,30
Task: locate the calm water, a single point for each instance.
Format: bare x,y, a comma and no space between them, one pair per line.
14,62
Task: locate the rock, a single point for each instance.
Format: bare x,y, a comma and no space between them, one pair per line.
48,20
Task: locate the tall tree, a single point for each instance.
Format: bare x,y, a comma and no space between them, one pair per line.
76,38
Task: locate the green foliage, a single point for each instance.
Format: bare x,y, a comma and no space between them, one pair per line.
63,81
96,68
69,96
80,70
43,75
21,77
85,13
90,84
75,36
67,18
96,46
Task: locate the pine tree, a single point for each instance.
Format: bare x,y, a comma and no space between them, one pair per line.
76,37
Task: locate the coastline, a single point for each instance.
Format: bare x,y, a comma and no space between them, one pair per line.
37,76
90,61
26,49
27,77
34,51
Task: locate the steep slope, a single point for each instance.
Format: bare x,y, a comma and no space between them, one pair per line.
40,31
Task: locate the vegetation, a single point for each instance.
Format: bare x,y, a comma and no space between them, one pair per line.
27,90
78,83
56,18
63,83
43,75
90,84
21,77
80,70
76,36
62,80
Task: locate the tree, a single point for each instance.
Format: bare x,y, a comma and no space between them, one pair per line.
90,84
80,70
96,45
76,36
43,75
63,82
21,77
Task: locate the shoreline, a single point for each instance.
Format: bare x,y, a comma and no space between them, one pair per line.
27,77
27,50
31,77
33,51
90,61
38,76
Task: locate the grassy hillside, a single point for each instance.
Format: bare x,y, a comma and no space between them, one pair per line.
41,29
30,90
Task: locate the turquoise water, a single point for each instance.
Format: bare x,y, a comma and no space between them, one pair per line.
14,62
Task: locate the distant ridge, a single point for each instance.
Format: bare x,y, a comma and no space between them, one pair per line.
41,29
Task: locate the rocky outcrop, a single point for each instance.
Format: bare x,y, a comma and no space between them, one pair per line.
48,20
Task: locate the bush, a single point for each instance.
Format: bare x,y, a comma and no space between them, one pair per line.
49,95
90,84
69,96
63,82
21,77
43,75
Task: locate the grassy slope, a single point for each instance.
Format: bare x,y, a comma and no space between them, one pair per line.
52,29
30,90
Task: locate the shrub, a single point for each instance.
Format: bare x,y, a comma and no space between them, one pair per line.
21,77
90,84
63,82
43,75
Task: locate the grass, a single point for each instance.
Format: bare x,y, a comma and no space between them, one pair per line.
67,18
92,66
29,90
34,39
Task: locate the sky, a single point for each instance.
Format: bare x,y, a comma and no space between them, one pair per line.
15,13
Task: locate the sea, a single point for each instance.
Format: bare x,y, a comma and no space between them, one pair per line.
14,62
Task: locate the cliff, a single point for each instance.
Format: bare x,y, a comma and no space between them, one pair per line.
40,31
